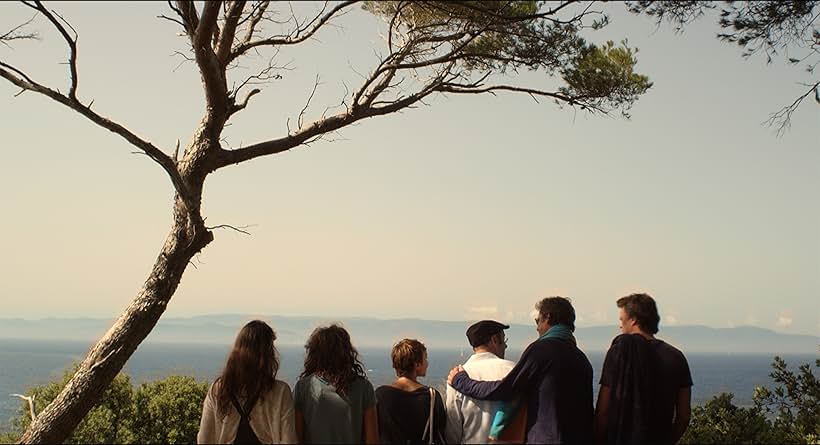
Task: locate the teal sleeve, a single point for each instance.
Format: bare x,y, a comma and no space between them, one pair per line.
503,417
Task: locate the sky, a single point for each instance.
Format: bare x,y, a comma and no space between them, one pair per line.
466,208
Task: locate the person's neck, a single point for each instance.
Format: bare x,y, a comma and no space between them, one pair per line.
643,334
407,383
411,377
482,350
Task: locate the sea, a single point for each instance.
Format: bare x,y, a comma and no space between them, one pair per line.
26,363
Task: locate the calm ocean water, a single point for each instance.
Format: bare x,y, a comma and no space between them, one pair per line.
24,363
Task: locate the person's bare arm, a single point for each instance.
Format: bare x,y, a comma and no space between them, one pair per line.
683,411
371,426
300,425
601,414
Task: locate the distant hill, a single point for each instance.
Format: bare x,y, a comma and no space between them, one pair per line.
371,332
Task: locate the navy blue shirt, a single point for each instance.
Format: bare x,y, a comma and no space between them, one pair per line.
555,377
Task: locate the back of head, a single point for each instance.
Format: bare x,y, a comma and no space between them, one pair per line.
643,309
559,309
406,355
481,332
330,353
251,367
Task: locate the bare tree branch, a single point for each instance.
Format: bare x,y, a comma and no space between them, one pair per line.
452,88
782,118
201,31
26,83
189,15
322,126
255,17
241,106
69,39
297,36
15,34
207,24
30,400
239,229
171,19
307,103
229,30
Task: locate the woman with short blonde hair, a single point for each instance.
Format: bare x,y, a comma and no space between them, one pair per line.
410,412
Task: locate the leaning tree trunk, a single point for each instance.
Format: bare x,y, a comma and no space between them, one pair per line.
109,355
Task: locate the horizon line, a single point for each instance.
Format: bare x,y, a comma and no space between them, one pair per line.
341,319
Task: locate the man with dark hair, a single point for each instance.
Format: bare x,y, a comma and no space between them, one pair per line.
552,380
646,386
469,420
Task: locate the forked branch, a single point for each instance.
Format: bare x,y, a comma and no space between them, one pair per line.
70,39
20,79
782,118
17,34
30,400
298,35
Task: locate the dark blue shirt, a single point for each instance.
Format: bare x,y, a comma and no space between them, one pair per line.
555,378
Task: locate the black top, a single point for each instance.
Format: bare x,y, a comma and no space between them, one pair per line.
403,415
245,434
555,377
645,375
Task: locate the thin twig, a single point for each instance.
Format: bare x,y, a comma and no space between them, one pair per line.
239,229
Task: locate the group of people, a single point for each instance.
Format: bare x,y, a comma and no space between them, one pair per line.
547,397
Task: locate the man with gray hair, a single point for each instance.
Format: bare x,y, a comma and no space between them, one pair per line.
469,420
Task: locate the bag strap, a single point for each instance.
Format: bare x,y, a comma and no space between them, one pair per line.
428,428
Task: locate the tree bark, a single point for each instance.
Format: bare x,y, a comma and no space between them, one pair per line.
110,354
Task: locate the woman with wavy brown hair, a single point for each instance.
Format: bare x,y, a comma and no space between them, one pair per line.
333,400
246,404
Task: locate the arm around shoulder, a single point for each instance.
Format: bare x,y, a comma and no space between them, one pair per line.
516,381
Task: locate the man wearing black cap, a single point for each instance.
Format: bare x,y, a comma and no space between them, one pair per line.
469,420
553,380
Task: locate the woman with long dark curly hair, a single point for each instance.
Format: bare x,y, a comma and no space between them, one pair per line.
246,404
334,402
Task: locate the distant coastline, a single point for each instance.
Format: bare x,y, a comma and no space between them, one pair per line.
375,333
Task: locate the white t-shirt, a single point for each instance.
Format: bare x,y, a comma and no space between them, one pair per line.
469,420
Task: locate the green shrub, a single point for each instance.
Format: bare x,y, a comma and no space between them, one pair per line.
790,413
168,411
162,411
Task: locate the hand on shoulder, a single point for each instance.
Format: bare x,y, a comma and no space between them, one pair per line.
453,373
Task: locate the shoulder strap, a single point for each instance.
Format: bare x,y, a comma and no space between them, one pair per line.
237,406
248,405
428,429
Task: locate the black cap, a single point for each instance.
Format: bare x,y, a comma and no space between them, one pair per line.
480,333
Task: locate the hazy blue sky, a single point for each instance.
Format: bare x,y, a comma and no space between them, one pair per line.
469,207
